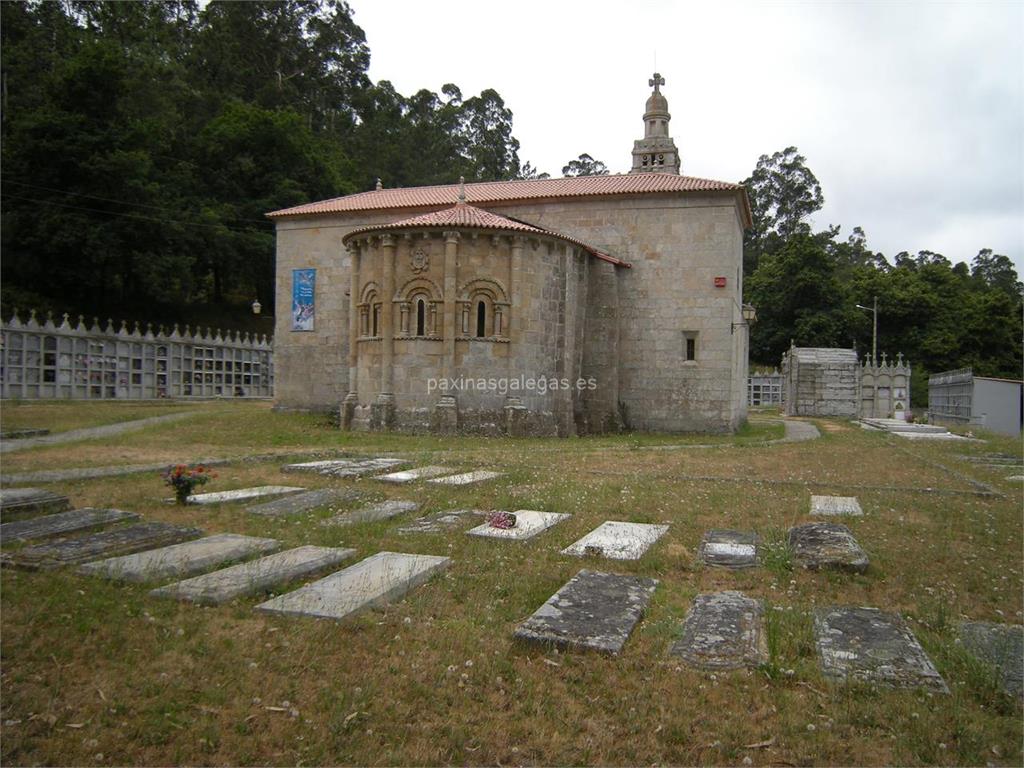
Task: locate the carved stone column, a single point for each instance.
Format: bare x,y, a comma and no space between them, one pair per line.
515,411
348,406
445,418
382,412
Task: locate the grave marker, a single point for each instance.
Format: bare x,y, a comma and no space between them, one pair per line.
303,502
728,549
63,522
593,610
440,522
255,576
724,630
180,560
345,467
529,523
618,541
869,645
816,546
411,475
242,494
373,582
16,503
119,541
382,510
466,478
835,505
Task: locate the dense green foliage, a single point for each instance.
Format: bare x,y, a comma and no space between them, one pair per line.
806,286
143,143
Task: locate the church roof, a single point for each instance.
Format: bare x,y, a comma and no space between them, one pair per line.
521,190
463,215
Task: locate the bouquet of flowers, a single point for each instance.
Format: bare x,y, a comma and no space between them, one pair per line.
184,479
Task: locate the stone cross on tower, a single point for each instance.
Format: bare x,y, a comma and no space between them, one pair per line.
656,152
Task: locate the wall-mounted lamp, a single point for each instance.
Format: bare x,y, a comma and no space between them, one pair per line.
256,307
749,315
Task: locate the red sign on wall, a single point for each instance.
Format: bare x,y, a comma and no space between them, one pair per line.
720,282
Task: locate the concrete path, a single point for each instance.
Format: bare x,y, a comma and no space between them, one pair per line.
91,433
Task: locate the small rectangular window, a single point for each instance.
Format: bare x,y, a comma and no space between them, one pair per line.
689,345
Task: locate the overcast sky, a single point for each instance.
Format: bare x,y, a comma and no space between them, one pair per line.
911,115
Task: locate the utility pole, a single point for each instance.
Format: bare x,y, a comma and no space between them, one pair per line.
874,330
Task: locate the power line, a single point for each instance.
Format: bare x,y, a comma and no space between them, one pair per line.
111,200
126,215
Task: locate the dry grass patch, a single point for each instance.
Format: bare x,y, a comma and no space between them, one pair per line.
96,673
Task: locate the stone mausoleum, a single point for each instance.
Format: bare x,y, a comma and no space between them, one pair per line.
548,306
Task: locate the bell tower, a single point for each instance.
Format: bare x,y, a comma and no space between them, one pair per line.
656,152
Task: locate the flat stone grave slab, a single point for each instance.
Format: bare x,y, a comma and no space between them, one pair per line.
411,475
371,513
345,467
618,541
872,646
16,503
62,522
994,460
303,502
180,560
242,494
592,611
816,546
1002,646
375,581
728,549
254,577
466,478
835,505
119,541
441,522
723,630
529,523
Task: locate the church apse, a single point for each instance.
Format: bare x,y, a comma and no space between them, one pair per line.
469,322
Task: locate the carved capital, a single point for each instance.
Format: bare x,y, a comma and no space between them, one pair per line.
451,236
387,241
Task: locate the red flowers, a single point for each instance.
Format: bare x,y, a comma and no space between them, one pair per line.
184,479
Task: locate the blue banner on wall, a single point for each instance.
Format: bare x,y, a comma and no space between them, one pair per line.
303,299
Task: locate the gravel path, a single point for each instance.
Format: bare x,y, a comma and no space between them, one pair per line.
91,433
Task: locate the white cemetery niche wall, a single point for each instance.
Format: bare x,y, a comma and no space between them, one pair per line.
43,360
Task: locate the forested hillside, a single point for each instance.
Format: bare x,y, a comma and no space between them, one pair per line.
143,142
806,286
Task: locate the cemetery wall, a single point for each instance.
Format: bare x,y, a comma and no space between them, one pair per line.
959,398
48,360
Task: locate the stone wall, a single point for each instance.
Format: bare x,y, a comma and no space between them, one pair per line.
77,361
821,382
628,325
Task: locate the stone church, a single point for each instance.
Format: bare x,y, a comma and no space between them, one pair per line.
544,307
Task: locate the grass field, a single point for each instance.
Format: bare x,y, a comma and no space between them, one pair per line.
95,673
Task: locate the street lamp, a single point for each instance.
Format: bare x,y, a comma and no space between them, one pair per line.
874,329
749,314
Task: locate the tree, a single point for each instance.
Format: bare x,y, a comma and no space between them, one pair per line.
783,192
585,165
799,298
527,171
996,271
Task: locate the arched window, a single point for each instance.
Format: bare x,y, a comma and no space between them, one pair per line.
421,317
481,319
375,323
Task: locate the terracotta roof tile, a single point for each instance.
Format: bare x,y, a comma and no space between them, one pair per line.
509,191
463,215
